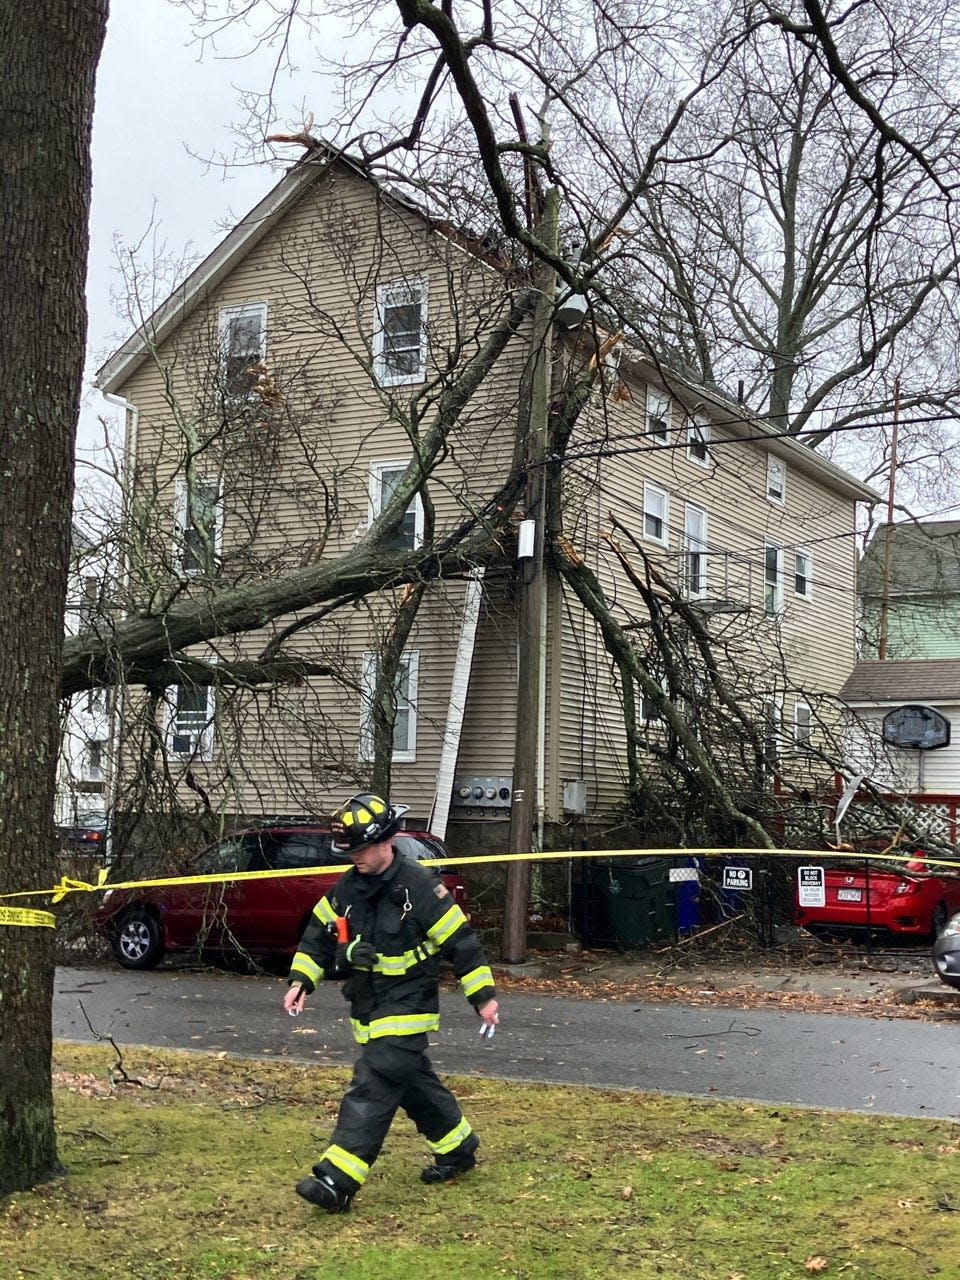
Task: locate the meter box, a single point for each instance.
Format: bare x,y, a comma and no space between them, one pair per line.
483,791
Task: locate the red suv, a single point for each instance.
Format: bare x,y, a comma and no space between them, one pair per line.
263,917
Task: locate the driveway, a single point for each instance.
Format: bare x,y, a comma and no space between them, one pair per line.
768,1055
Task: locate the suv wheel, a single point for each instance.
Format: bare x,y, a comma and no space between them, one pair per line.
137,943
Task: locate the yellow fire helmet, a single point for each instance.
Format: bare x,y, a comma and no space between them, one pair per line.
364,819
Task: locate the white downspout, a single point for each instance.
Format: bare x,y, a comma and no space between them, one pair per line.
458,701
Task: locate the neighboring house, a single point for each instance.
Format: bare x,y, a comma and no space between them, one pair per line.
82,764
268,422
930,778
919,607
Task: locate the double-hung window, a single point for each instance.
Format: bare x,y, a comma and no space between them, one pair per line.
243,346
384,478
772,580
405,723
197,521
802,723
803,573
93,760
400,343
776,480
694,551
698,441
656,514
658,416
191,721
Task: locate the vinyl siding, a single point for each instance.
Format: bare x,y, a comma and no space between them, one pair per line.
296,490
302,491
915,628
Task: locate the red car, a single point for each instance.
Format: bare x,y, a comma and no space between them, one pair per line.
253,917
906,901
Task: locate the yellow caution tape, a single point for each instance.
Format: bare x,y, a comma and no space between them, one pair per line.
68,885
24,916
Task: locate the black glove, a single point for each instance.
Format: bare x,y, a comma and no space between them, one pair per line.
357,954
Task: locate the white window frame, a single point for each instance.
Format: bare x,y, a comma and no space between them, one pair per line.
377,472
228,314
807,555
180,525
802,723
698,436
648,710
406,754
772,731
654,490
694,546
777,609
201,737
392,378
94,759
776,480
658,410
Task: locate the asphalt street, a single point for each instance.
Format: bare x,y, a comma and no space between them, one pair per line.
809,1059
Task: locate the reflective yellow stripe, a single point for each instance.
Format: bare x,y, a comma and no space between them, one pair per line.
404,1024
324,912
398,1024
397,965
309,968
476,980
452,1139
347,1163
361,1032
447,925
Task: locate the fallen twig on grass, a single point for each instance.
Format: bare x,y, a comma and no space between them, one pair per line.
118,1069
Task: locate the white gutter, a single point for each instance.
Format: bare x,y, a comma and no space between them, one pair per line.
459,684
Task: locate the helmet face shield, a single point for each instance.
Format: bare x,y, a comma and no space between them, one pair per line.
365,819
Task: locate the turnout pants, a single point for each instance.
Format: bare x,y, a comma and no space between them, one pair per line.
392,1072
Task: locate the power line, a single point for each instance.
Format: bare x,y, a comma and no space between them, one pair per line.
760,437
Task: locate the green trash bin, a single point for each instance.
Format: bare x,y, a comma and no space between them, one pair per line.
641,900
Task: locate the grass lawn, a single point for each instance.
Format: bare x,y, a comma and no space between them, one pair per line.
194,1181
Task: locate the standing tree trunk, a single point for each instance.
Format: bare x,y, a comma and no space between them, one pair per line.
48,56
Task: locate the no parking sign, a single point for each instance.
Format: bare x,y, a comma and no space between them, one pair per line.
740,878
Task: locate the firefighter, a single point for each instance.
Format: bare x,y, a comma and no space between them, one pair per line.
400,919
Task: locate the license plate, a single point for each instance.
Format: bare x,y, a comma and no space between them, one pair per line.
849,895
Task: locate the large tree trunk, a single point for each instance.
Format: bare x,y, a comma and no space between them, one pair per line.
48,57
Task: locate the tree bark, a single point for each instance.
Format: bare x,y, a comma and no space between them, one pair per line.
48,56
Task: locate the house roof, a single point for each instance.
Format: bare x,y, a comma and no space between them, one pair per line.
265,215
931,680
924,559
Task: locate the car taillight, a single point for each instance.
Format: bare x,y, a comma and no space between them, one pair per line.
92,837
905,887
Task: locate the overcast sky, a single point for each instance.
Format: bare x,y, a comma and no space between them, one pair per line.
162,103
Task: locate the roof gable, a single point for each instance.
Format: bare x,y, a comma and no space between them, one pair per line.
924,559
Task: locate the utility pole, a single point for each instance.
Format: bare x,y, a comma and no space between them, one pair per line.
888,532
528,748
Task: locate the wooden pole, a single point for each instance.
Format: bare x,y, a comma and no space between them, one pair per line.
531,619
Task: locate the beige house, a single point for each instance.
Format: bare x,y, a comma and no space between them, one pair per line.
275,403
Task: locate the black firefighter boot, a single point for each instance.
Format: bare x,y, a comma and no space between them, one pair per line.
455,1162
322,1191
